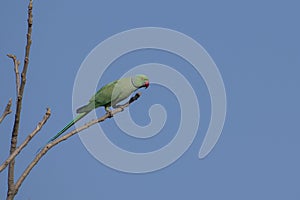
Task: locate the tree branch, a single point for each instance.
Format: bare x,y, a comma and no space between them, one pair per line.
7,110
68,135
16,68
27,140
11,168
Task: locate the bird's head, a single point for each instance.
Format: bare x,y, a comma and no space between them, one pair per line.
140,81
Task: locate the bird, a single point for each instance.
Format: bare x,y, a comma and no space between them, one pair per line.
108,96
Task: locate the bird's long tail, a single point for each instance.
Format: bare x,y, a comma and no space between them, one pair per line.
76,119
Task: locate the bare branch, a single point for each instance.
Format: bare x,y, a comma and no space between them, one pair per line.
27,49
11,168
6,111
27,140
68,135
16,68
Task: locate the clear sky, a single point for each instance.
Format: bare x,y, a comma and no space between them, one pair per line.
255,45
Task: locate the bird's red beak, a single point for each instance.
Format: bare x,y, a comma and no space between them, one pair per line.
146,84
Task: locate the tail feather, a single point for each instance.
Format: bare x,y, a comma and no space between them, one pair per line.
86,108
76,119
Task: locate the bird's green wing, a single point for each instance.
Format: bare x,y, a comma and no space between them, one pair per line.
102,98
104,95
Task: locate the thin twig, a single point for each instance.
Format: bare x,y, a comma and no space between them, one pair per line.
7,110
11,168
16,68
68,135
27,140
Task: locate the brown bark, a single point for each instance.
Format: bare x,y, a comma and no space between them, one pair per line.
6,111
11,168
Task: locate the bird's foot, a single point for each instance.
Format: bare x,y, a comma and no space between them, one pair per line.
109,113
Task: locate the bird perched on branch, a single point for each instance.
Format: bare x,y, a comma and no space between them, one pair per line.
108,96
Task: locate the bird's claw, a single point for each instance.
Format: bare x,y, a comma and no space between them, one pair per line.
109,113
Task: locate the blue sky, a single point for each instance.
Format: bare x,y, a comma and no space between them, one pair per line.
256,48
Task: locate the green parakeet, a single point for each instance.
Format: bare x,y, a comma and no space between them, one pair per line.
109,95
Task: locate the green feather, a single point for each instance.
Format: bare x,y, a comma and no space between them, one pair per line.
76,119
109,95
